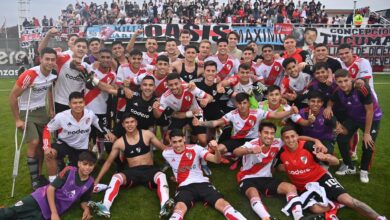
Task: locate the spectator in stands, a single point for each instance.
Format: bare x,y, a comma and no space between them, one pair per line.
45,21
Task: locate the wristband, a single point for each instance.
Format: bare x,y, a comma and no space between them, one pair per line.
189,114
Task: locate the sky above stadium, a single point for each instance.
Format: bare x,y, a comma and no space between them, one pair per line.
52,8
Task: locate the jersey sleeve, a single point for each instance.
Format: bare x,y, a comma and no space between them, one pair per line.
228,117
307,59
120,76
97,123
309,146
262,114
201,151
26,79
163,104
199,93
365,95
248,145
55,123
365,70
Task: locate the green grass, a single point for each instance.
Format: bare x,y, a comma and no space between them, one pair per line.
142,203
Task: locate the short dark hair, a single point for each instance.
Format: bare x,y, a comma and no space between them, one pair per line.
82,40
287,128
73,35
288,61
241,97
48,50
171,40
267,46
162,58
290,37
176,133
135,52
172,76
235,33
117,42
76,95
191,47
315,95
311,29
127,115
94,39
251,41
320,45
244,66
222,40
272,88
210,63
320,65
341,73
185,31
250,49
268,124
105,50
148,77
88,157
344,46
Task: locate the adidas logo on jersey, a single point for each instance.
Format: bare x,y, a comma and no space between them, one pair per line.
69,124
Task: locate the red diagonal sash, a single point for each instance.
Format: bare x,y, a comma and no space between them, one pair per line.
93,93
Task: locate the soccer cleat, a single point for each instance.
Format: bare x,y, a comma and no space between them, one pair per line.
313,217
345,170
206,170
234,165
99,209
39,182
224,160
364,176
167,208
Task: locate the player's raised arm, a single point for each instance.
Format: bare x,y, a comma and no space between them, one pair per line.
216,157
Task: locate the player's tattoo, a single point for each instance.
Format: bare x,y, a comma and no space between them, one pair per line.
364,209
208,124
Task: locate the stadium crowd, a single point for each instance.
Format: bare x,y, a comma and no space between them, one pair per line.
286,111
259,12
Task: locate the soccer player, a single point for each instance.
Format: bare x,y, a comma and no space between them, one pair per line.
150,56
118,51
136,146
273,103
363,112
183,101
310,37
301,163
187,67
53,200
94,46
302,57
321,54
255,175
192,184
70,43
37,80
321,82
226,65
295,83
171,50
271,69
233,51
204,50
245,122
184,38
247,58
75,125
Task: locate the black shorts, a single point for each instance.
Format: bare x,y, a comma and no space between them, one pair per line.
64,150
332,187
268,186
180,123
194,192
232,144
141,175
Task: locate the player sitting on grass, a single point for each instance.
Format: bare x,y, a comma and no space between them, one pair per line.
51,201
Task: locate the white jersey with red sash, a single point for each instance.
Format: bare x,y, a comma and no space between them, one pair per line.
245,127
255,70
260,164
238,87
95,99
272,74
186,165
69,80
298,84
40,86
226,69
149,60
126,72
160,83
361,68
186,102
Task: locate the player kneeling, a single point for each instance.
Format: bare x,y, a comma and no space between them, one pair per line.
51,201
192,185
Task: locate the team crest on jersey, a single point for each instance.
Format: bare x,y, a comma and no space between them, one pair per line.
69,124
214,93
187,98
189,155
150,108
251,122
135,103
228,66
276,68
138,149
304,159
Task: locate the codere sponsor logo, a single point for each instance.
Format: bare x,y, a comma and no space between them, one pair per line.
299,172
78,131
77,78
139,113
